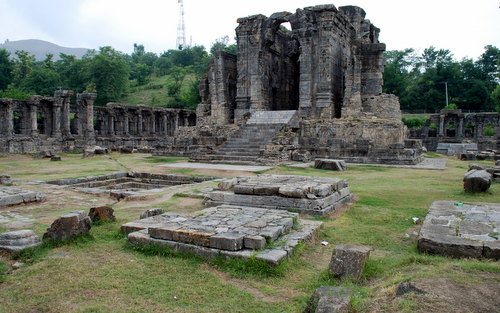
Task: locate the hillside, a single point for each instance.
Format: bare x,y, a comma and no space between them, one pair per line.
40,48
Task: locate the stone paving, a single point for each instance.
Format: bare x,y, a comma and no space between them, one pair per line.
13,196
426,164
303,194
229,231
461,230
213,166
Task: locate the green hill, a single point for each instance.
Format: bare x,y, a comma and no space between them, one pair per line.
40,48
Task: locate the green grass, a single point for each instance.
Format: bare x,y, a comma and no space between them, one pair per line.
146,279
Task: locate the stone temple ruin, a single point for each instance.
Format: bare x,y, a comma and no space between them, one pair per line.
312,91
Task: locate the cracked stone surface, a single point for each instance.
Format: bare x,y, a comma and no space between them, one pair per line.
461,230
231,231
304,194
13,196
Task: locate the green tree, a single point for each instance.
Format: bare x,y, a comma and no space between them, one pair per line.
41,81
109,71
22,66
222,44
6,67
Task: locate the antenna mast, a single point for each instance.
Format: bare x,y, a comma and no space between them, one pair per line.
181,28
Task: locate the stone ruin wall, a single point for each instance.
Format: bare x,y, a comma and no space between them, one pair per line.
329,68
453,126
53,123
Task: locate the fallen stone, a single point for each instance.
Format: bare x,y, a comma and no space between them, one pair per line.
95,150
55,158
69,226
15,241
102,213
329,164
328,299
348,261
497,163
301,156
126,149
151,212
43,154
476,166
5,179
17,265
477,181
407,287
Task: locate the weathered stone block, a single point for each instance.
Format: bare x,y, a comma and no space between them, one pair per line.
102,213
328,299
227,241
15,241
5,179
254,242
329,164
69,226
151,212
348,261
477,181
55,158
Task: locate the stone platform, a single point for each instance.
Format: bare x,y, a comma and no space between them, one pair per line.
303,194
227,231
461,230
13,196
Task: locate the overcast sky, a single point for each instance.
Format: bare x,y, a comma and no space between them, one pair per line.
462,26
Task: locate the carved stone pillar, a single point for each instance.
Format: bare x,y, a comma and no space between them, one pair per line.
165,123
56,119
111,125
64,96
441,125
7,122
125,125
152,129
139,123
460,129
86,100
33,120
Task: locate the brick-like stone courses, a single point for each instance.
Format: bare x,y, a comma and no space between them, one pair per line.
230,231
311,195
463,230
13,196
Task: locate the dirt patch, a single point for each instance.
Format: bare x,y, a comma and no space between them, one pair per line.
445,295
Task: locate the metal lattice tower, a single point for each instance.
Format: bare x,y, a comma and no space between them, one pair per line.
181,27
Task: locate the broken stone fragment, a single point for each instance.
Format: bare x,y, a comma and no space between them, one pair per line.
15,241
329,164
102,213
69,226
151,212
348,261
5,179
328,299
477,181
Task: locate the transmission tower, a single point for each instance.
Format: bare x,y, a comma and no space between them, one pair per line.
181,27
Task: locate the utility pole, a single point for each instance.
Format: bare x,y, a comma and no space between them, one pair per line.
446,91
181,27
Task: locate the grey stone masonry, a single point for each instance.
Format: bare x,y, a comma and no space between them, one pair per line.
311,195
15,241
348,261
272,117
13,196
329,299
228,231
329,164
69,226
5,179
455,148
461,230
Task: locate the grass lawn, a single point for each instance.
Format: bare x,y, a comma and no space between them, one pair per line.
101,273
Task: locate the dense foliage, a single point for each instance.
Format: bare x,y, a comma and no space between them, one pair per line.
420,81
108,72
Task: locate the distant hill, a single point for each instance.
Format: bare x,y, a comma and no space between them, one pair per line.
40,48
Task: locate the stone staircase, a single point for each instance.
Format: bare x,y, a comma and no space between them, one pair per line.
247,144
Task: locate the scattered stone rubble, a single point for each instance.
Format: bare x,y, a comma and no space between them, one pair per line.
69,226
14,195
477,181
461,230
102,213
329,299
329,164
15,241
151,212
228,231
348,261
310,195
5,179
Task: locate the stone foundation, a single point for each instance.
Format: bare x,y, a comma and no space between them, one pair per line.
226,231
13,196
309,195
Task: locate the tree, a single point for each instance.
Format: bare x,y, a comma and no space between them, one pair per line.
109,71
222,44
22,66
6,67
41,81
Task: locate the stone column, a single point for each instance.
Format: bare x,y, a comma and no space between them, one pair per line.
56,119
460,129
441,125
152,130
8,119
87,101
111,126
125,125
33,120
65,96
139,123
165,123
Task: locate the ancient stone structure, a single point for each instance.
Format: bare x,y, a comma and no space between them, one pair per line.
304,194
327,69
14,195
455,127
225,231
329,299
348,261
69,226
15,241
461,230
54,123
